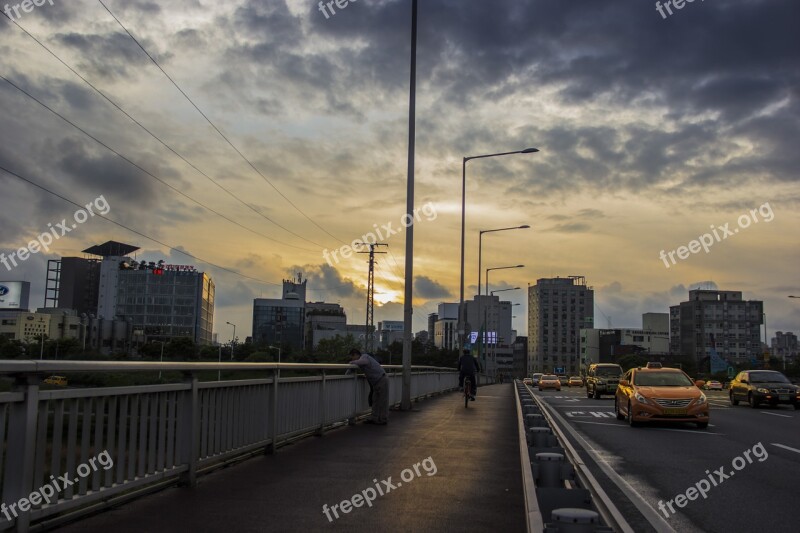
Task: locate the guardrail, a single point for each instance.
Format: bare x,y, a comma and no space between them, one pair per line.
100,445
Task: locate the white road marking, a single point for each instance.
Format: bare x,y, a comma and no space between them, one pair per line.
776,414
620,425
795,450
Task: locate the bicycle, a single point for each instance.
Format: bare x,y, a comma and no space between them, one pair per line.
467,391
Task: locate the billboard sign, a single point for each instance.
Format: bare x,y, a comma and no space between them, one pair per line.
14,294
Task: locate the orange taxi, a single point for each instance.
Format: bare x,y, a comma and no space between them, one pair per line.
660,395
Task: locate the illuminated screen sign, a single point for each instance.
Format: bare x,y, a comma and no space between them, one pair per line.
490,337
14,294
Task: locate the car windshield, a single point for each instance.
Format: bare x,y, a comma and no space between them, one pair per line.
549,378
768,377
661,379
607,371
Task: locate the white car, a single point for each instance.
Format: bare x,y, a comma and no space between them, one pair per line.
713,385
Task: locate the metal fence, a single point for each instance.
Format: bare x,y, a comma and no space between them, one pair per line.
72,449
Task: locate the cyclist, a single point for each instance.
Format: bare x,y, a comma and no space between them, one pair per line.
468,366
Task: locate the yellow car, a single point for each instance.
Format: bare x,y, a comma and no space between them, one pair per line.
549,381
660,395
575,381
61,381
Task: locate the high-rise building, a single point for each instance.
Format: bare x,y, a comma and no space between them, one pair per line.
390,331
784,346
73,283
445,329
558,308
719,320
608,345
281,321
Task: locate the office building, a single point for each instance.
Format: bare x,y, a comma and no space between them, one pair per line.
558,308
281,321
784,346
608,345
720,321
24,326
323,321
390,331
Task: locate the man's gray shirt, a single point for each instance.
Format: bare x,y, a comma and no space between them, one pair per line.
372,369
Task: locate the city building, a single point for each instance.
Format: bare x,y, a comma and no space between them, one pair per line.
281,321
608,345
445,328
784,346
24,326
73,283
720,321
558,308
520,348
390,331
323,321
15,295
493,316
432,318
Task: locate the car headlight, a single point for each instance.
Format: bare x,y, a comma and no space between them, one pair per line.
762,390
640,398
701,400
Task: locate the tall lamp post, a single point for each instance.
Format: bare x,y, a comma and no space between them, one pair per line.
463,227
279,352
233,339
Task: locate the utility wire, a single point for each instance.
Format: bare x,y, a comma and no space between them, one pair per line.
101,143
153,135
137,232
215,127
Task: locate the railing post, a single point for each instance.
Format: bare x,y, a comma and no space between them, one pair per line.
352,420
322,404
20,451
273,447
189,431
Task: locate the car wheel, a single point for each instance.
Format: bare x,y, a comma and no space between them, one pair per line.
616,410
631,422
702,425
734,401
752,400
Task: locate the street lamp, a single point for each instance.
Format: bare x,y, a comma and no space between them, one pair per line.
498,268
463,227
503,290
279,352
480,246
233,339
162,357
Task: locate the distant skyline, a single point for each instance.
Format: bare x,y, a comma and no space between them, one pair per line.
652,132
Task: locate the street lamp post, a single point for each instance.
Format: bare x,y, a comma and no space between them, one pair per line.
279,352
233,339
480,246
463,228
162,358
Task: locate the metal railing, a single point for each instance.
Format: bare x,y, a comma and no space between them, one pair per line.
96,445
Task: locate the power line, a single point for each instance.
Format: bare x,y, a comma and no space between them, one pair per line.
168,147
101,143
214,125
137,232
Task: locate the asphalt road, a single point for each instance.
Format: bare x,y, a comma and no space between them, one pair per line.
661,461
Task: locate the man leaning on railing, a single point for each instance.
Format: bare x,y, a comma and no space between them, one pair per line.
379,385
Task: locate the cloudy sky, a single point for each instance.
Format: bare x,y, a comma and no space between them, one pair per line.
651,130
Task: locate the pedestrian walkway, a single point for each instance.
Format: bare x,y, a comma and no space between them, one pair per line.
440,467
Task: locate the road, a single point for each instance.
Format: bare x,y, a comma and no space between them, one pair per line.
659,462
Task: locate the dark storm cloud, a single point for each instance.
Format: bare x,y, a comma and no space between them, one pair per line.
109,56
425,287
